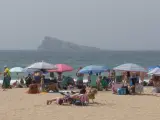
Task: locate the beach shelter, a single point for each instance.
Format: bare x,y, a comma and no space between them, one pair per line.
42,65
93,69
130,67
62,68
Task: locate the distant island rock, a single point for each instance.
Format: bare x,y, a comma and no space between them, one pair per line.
56,45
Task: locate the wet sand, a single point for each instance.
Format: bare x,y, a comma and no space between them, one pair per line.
16,104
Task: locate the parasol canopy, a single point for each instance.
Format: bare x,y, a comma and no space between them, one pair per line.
93,69
42,65
62,68
130,67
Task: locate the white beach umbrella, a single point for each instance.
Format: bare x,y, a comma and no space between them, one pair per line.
16,70
155,71
42,65
130,67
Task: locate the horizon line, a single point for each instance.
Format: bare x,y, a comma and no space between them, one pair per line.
89,51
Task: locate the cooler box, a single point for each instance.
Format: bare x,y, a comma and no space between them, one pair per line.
121,91
124,91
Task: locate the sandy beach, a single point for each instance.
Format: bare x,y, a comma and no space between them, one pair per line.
16,104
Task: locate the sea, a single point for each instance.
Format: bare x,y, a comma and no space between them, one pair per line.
17,58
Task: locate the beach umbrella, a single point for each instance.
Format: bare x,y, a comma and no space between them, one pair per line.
16,70
31,71
42,65
155,71
152,67
93,69
130,67
62,68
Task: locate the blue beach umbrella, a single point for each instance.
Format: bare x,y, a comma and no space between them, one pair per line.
93,69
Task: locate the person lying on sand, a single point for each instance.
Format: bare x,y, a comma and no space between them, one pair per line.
60,100
83,96
67,97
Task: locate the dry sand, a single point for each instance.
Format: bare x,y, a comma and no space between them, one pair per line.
15,104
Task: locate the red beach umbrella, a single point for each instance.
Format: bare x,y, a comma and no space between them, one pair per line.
62,68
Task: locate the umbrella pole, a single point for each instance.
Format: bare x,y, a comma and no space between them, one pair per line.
17,76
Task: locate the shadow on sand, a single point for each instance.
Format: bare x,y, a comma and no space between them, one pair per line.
155,94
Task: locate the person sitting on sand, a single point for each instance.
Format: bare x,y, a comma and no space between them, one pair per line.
28,80
33,88
105,82
125,82
37,77
156,84
133,80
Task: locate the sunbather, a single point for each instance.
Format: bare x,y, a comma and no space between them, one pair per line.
69,98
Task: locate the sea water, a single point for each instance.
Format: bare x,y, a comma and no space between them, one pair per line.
76,60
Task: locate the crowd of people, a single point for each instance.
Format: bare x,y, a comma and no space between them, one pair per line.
37,81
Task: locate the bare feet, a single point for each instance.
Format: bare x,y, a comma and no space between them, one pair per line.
49,102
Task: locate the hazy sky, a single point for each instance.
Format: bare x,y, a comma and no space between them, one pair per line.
109,24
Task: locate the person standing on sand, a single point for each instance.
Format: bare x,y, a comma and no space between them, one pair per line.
7,78
79,79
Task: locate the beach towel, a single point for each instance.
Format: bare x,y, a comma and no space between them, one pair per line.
43,92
